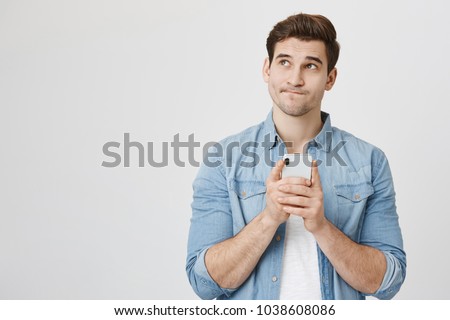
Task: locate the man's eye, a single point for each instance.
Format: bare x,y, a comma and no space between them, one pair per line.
311,66
284,62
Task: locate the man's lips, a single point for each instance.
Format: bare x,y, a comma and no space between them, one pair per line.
294,91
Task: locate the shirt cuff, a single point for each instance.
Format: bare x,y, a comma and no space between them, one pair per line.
393,278
207,287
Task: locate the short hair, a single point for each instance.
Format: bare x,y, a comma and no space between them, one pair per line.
306,27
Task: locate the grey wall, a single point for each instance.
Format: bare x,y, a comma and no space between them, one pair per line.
77,74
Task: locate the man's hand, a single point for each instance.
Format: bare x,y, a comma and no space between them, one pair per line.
274,209
304,198
231,261
362,267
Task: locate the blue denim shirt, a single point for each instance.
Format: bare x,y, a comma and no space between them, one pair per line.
359,199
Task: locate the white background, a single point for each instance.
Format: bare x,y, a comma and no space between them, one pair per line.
77,74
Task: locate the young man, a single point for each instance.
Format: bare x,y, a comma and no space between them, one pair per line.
255,235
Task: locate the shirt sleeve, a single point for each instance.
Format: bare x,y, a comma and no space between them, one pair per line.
211,223
381,228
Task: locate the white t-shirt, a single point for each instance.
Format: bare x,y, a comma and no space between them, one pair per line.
300,278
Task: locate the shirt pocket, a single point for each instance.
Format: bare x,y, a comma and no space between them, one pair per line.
351,202
250,196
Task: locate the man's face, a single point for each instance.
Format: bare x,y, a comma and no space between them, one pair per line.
297,76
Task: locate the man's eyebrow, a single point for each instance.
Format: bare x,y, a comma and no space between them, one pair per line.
283,55
314,59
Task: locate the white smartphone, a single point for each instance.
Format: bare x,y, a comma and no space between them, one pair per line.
297,165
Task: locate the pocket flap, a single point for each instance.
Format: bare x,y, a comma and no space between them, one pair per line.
247,188
355,192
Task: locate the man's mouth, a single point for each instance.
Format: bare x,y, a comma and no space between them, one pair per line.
300,92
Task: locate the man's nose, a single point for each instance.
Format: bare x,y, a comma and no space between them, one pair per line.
296,78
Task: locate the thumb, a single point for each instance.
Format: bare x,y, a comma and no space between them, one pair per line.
275,174
315,177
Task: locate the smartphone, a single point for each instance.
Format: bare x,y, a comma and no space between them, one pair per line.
297,165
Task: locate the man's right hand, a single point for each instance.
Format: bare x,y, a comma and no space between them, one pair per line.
274,210
231,261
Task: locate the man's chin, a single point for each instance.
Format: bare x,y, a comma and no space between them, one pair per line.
295,111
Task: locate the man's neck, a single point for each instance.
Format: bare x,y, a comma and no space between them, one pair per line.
297,131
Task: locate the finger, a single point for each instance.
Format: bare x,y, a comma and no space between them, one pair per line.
298,211
275,174
315,177
294,201
296,180
296,189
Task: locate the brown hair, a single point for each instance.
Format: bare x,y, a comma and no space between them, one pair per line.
306,27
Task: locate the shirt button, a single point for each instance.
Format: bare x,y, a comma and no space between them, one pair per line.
274,279
357,196
244,193
278,238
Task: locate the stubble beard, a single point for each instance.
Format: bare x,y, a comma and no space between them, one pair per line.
294,111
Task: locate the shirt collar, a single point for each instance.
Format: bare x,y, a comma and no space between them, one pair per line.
322,140
270,131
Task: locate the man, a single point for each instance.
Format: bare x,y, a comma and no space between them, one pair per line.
255,235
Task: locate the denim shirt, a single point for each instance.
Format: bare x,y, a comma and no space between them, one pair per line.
359,199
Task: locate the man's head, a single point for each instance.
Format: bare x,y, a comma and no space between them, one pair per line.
306,27
303,52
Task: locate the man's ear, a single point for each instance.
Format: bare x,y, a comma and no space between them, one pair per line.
331,79
266,70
